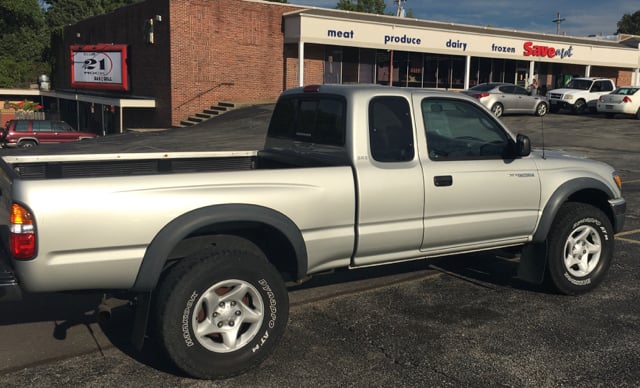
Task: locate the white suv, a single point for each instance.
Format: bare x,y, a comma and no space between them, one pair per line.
579,94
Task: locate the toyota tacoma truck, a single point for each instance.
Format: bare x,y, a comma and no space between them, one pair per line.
580,94
205,244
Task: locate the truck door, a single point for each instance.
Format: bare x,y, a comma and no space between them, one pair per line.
390,184
476,192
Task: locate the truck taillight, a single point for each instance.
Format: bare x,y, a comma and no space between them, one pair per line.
626,99
22,238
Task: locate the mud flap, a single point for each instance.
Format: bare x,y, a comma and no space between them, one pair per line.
533,263
143,305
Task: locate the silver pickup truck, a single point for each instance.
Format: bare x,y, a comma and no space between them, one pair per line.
205,244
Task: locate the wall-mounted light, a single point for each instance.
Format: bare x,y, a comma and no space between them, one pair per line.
158,18
78,35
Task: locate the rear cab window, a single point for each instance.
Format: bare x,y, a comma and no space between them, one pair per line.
310,118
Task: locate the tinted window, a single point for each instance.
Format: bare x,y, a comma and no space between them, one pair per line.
602,86
390,129
61,126
317,119
520,90
459,130
42,126
22,126
506,88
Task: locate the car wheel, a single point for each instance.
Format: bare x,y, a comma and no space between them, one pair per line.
579,107
609,115
638,114
497,109
218,313
580,248
541,109
27,144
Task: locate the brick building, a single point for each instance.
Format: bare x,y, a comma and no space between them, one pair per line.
183,56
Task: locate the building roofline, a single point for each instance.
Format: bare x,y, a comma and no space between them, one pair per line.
387,19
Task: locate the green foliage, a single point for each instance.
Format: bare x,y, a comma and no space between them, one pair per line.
24,38
25,33
629,24
65,12
368,6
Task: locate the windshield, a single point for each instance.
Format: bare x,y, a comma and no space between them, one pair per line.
582,84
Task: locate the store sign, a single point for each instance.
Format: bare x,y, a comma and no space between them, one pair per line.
531,50
99,67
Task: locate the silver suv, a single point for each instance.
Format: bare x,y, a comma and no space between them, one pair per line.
580,94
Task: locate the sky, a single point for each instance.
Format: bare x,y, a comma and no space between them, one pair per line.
582,18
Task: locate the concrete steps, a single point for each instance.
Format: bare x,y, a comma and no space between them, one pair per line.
208,114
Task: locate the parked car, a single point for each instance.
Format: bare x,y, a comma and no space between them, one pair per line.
504,98
624,100
30,133
580,94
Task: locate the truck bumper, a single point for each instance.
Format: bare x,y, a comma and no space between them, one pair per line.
9,286
618,208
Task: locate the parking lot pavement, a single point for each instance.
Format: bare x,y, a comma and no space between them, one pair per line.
454,321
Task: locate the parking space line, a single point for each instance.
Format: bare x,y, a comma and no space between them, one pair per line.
628,240
628,232
620,237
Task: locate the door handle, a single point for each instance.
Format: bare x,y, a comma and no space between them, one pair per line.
443,180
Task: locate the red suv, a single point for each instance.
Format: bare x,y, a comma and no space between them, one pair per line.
29,133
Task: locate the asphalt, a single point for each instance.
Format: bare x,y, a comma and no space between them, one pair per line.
240,129
462,321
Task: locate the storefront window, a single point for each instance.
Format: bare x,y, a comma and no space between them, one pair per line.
333,65
367,66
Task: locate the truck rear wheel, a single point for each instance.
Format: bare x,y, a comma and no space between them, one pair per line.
219,312
580,248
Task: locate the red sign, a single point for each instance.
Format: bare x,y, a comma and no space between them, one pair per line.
102,66
531,50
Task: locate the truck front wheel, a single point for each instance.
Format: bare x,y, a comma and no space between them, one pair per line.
580,248
219,313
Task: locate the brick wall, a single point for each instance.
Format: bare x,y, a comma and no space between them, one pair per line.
226,51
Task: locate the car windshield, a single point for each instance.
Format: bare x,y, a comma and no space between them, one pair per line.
582,84
625,91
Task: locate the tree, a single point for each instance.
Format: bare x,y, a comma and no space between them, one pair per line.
629,24
23,42
64,12
368,6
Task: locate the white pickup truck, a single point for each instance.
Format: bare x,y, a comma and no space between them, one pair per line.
350,176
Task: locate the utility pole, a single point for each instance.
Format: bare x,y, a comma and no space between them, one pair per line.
557,21
400,11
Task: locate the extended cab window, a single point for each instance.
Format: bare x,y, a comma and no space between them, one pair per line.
390,129
310,118
460,130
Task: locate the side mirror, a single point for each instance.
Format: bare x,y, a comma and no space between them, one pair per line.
523,145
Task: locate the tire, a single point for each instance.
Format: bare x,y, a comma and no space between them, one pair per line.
27,144
237,301
580,249
579,107
609,115
638,114
541,109
497,109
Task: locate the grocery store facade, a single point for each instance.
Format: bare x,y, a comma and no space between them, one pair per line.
183,56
